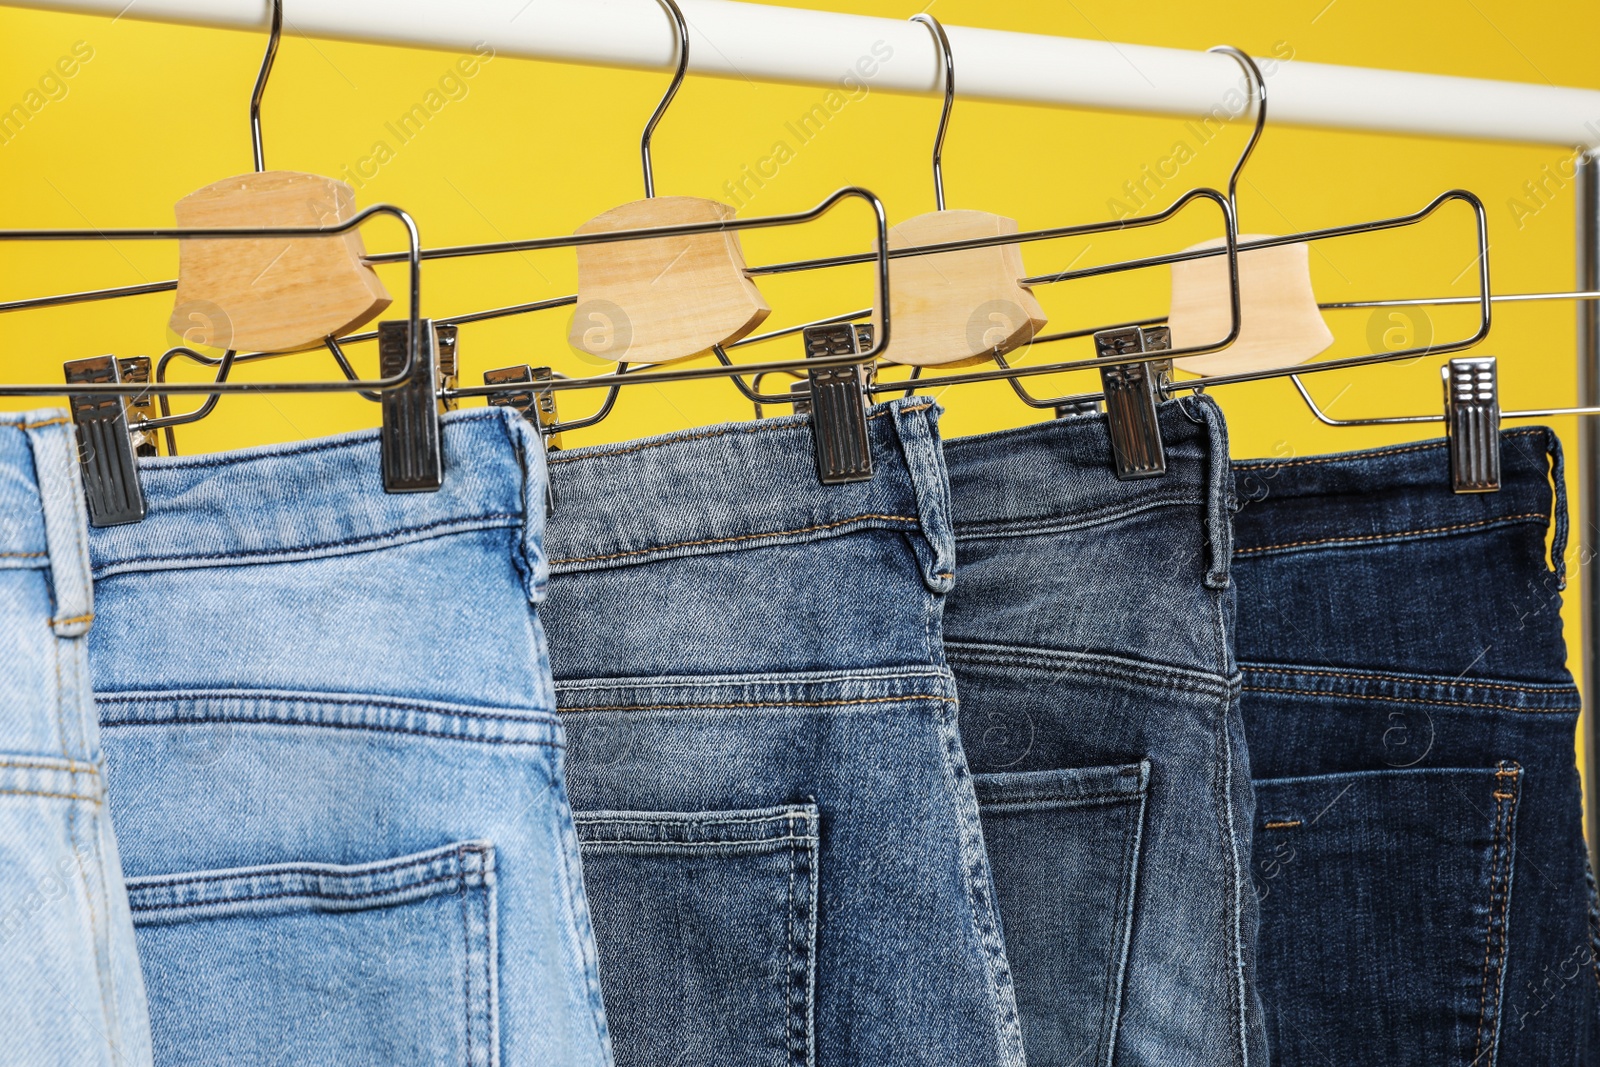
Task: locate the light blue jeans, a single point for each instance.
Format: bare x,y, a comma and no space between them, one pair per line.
335,763
70,991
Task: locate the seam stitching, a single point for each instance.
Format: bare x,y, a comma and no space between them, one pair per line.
763,704
1397,534
1555,688
1408,700
740,537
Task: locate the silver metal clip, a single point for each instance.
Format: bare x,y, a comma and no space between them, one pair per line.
410,443
447,339
110,475
536,405
1132,391
136,370
1472,423
838,403
1072,409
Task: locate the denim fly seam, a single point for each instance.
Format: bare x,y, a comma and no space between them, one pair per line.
70,986
1411,723
330,729
1090,635
781,838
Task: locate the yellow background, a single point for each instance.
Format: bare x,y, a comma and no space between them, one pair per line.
536,148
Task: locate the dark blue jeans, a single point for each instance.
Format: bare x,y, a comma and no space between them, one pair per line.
1419,851
1090,633
781,842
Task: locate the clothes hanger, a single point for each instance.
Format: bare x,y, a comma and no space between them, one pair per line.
1483,299
271,294
958,306
1282,323
655,301
1472,417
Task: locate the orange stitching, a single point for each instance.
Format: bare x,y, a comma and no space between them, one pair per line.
1251,464
1398,533
75,619
53,796
741,537
743,427
1285,824
23,555
1396,678
1401,700
59,421
1502,844
757,704
72,765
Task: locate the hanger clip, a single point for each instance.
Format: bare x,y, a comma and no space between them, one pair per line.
105,448
1472,423
136,371
1132,392
447,338
413,460
537,405
838,404
1073,408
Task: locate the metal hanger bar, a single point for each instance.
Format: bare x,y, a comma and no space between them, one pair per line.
413,257
1304,237
415,254
1402,420
1498,298
274,34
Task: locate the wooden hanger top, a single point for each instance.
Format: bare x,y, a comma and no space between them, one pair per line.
966,305
654,300
271,294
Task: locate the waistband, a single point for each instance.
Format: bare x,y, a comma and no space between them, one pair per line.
321,498
42,513
748,485
1351,499
1060,475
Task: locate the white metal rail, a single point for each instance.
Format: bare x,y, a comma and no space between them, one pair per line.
824,48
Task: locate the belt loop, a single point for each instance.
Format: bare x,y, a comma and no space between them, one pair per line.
1220,500
917,421
532,559
66,522
1558,541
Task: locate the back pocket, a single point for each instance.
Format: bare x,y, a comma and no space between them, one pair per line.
1384,900
318,965
1064,849
706,924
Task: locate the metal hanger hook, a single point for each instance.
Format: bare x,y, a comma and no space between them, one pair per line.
672,90
274,35
1258,83
942,40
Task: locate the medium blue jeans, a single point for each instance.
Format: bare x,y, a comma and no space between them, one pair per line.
335,764
780,835
1419,849
70,989
1091,634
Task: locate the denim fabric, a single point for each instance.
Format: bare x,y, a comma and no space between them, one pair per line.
70,990
335,764
780,836
1089,631
1418,846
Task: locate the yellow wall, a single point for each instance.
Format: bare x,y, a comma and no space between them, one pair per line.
523,149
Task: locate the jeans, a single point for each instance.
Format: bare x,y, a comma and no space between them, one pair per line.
780,835
1419,850
335,764
1090,633
70,990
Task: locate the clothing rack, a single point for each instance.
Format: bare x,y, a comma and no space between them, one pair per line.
824,48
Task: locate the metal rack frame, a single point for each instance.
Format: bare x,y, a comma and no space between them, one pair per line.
814,47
